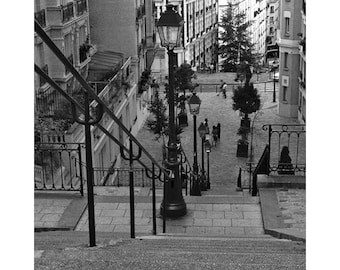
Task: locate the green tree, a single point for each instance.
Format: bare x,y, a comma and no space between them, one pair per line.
183,76
246,99
236,45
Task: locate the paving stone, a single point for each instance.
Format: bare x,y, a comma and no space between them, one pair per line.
221,207
138,213
197,230
124,206
112,213
121,220
203,222
121,228
246,207
247,215
103,220
143,229
253,230
229,215
142,221
50,217
215,214
246,223
215,230
203,207
38,217
187,221
200,214
221,222
106,206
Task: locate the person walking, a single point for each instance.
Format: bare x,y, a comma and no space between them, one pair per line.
218,131
224,90
221,86
206,125
215,135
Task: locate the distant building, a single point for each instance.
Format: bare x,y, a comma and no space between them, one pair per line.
199,37
302,75
288,41
272,21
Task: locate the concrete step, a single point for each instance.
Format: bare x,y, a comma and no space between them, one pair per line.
176,252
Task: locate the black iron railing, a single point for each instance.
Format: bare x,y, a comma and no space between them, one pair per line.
40,17
67,12
126,153
81,7
284,154
57,166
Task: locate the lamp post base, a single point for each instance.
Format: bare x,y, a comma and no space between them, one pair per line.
174,209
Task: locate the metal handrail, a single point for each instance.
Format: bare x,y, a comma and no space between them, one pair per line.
38,29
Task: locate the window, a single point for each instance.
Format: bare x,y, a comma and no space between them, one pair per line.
284,96
271,20
271,30
286,25
285,62
272,9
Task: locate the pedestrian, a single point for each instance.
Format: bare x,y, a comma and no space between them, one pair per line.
215,135
211,67
218,131
285,163
206,125
221,86
224,90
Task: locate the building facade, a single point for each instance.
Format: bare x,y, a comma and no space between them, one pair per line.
111,61
302,75
199,39
288,41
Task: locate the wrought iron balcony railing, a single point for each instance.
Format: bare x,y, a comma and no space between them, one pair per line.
41,17
67,12
81,7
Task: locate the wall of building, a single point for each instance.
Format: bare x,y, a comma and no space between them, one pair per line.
289,57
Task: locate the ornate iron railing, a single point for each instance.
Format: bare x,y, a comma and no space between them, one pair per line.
67,12
40,17
57,166
81,7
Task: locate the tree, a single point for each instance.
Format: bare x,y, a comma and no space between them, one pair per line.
236,45
183,78
246,99
159,124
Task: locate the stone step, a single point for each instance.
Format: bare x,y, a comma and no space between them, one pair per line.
170,252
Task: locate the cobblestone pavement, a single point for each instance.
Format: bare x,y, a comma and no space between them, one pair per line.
292,203
224,165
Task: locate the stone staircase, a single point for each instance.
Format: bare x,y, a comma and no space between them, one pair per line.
177,252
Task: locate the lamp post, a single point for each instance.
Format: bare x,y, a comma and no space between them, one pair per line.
274,67
203,130
194,107
208,150
170,27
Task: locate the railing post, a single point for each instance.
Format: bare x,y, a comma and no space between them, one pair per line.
239,184
80,171
153,201
132,194
164,203
89,170
254,190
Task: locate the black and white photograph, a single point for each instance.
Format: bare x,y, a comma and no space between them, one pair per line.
170,134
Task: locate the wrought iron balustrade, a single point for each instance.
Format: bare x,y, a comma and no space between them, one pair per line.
81,7
40,17
57,166
67,12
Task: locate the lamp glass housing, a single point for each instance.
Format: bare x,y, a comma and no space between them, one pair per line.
170,26
202,130
194,104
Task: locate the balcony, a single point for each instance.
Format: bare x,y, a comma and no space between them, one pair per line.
41,17
67,12
81,7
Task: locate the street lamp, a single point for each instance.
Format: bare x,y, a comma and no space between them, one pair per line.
274,67
194,107
170,27
208,150
203,130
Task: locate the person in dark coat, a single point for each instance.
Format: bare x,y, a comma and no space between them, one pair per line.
285,163
214,135
218,131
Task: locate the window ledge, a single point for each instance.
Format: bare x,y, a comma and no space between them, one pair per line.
286,35
286,69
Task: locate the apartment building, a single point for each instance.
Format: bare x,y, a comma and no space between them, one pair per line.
302,75
289,70
111,58
273,23
199,38
67,23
